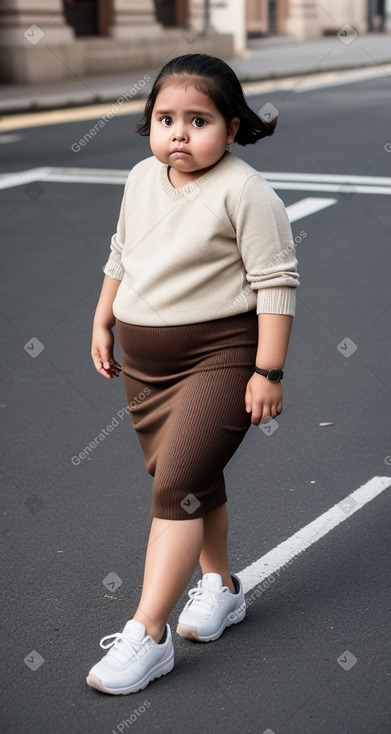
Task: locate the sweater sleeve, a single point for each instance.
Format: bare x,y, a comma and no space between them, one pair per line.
114,268
265,242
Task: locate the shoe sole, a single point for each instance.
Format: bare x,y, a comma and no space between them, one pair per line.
191,633
94,682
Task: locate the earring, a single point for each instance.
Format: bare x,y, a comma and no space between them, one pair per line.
229,147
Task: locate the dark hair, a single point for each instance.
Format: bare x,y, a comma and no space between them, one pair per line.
213,77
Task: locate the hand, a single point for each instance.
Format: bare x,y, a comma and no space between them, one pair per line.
102,352
263,398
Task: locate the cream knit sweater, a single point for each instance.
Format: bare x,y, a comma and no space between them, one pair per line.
219,246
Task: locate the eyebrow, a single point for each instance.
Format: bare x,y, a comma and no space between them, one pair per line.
198,113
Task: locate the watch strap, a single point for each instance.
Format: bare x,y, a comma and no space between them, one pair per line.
273,375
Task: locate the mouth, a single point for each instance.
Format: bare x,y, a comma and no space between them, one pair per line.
179,151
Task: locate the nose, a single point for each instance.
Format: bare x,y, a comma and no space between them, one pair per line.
179,132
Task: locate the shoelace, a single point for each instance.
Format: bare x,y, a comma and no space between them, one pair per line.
202,600
123,647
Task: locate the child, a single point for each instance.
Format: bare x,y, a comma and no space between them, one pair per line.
200,284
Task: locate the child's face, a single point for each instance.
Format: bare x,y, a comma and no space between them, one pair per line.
187,130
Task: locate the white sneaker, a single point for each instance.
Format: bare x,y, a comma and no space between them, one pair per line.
212,608
133,661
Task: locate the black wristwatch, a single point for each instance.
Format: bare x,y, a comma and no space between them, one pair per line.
271,375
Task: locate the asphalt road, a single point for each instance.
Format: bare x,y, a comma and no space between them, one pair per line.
313,654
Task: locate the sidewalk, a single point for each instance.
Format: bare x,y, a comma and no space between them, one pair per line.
266,58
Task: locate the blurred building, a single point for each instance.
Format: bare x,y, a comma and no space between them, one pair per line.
48,40
304,20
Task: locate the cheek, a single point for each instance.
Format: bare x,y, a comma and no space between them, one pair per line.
153,129
156,135
158,142
212,141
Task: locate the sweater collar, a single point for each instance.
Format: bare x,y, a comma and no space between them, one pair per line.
192,187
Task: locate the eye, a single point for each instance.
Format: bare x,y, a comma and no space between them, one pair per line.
198,122
166,121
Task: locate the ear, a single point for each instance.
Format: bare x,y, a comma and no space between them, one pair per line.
232,129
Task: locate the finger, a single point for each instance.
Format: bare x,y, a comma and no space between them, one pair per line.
271,410
100,367
114,372
256,411
248,400
104,373
114,365
111,365
106,359
97,361
256,415
277,409
268,414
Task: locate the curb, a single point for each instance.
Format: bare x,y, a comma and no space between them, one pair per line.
248,77
44,102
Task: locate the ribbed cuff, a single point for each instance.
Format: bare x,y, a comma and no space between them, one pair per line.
114,267
276,300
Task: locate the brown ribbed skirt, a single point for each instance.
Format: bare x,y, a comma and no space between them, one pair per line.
185,386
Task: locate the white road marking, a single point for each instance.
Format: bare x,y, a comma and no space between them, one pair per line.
328,178
285,181
336,188
305,207
8,180
287,550
329,182
6,139
64,175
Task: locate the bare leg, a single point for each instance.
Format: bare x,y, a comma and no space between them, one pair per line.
172,554
214,552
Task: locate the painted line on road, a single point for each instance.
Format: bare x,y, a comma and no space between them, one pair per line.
8,180
65,115
335,188
305,207
300,209
286,181
258,571
328,178
64,175
328,182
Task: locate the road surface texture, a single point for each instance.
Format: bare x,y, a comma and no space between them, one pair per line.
313,654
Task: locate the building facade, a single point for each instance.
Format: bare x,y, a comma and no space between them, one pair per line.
304,20
49,40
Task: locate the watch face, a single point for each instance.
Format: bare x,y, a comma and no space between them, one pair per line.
274,375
